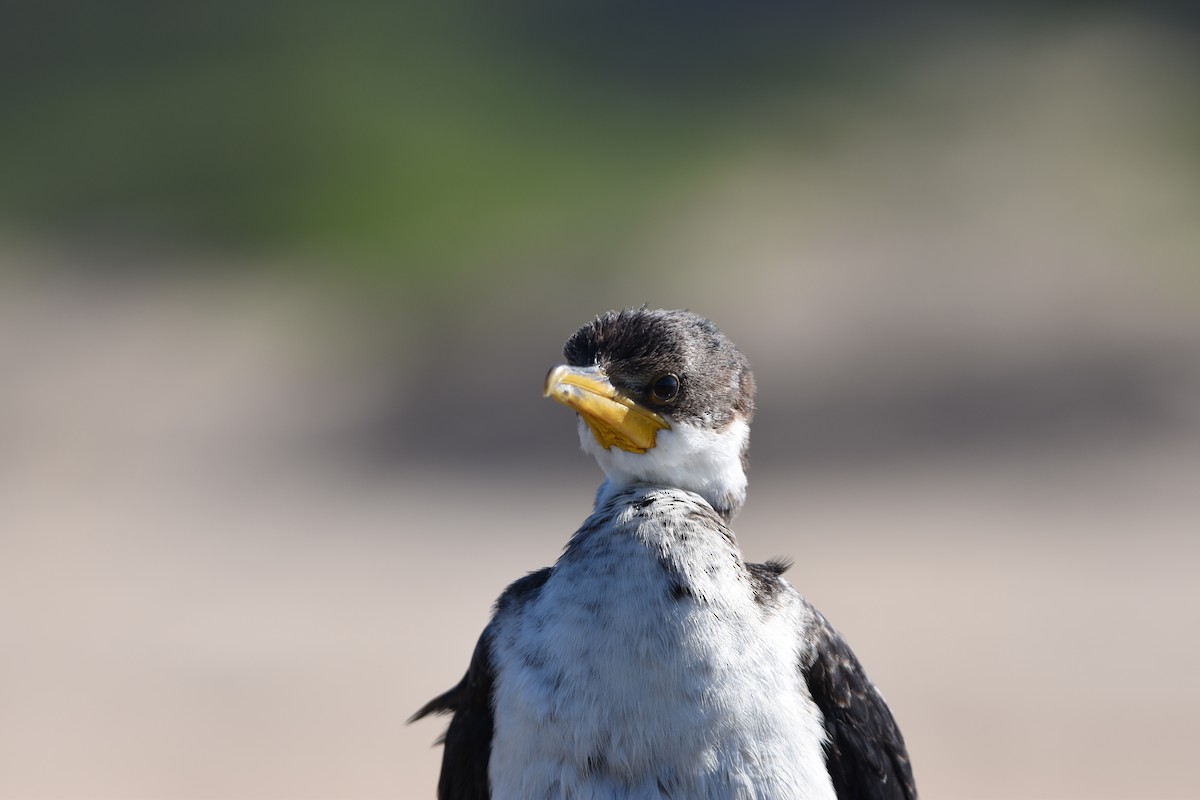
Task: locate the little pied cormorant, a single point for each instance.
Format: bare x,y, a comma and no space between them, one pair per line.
651,661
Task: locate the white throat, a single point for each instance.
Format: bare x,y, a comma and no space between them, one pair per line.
706,462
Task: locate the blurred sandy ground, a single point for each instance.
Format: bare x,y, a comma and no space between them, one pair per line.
249,522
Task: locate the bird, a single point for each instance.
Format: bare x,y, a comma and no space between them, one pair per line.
651,661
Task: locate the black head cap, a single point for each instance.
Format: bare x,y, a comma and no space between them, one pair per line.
675,362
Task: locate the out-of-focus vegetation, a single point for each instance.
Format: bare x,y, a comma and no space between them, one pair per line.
422,142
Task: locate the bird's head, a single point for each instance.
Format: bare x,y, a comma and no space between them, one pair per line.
664,399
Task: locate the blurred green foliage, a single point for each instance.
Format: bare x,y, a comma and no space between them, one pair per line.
412,140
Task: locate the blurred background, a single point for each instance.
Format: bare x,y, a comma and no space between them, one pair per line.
279,284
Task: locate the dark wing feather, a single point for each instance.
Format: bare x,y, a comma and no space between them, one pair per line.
468,740
865,754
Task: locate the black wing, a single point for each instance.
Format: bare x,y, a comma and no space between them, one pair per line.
865,754
468,740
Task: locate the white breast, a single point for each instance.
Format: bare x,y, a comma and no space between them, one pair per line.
646,669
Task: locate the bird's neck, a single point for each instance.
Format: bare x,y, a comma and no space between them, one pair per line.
710,463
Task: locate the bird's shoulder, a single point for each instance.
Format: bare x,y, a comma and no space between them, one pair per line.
480,672
522,590
768,586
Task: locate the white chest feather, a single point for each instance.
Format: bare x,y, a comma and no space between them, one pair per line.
645,668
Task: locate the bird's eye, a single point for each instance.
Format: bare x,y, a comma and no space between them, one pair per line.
664,389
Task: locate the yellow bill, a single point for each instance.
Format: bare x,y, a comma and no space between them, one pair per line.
616,420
